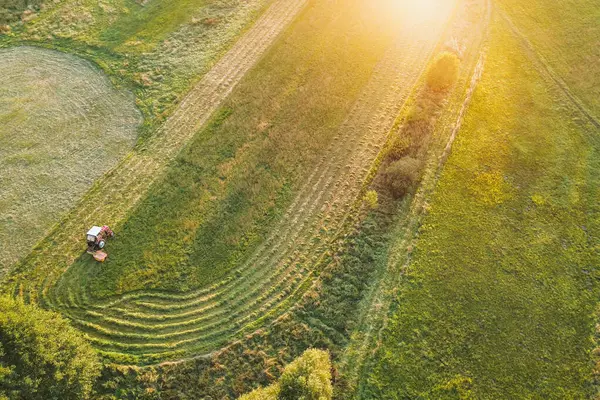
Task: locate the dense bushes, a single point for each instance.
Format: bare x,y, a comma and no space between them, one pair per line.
42,356
443,73
306,378
400,175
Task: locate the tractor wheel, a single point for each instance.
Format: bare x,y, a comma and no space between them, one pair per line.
101,244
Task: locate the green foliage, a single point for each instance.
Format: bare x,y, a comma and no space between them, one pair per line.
306,378
443,73
499,298
400,176
371,198
42,356
267,393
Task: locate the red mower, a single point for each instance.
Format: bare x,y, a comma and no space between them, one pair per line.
96,240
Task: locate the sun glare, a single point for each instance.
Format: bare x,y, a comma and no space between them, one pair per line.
417,12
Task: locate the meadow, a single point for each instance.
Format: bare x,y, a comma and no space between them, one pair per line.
300,180
566,36
498,299
182,40
62,125
235,226
157,49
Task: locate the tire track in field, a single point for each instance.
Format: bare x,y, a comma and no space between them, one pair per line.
159,325
544,67
111,198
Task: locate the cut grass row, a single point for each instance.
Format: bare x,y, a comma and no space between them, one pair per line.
499,295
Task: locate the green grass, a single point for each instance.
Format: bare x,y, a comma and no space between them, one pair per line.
62,125
157,49
222,194
149,24
567,34
499,297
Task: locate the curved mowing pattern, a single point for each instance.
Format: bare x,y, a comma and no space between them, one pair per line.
149,326
62,125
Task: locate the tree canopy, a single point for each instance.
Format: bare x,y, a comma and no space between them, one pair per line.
306,378
443,73
42,356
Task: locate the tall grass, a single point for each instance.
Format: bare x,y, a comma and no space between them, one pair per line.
499,297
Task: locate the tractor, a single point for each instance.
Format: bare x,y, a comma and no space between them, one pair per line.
96,240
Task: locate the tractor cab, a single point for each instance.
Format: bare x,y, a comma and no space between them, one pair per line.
96,240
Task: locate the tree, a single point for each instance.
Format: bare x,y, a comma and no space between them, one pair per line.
399,176
42,356
306,378
443,73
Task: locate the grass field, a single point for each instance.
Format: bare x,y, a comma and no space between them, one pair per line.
567,35
62,125
292,143
157,48
255,215
498,300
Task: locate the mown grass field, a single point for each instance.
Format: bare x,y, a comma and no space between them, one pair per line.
293,143
221,195
498,300
62,125
157,49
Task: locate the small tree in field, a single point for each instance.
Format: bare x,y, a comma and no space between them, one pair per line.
399,176
306,378
443,73
42,356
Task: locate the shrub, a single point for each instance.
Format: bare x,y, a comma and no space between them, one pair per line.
268,393
42,356
399,147
306,378
399,176
443,73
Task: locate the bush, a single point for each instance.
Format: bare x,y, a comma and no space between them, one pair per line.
268,393
42,356
443,73
399,176
306,378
